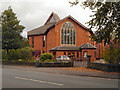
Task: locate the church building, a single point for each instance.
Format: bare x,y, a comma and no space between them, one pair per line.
64,36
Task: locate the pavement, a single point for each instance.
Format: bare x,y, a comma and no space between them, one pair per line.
77,71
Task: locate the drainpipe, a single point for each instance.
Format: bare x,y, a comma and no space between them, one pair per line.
99,50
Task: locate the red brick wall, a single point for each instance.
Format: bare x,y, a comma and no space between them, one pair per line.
89,52
37,42
53,39
30,41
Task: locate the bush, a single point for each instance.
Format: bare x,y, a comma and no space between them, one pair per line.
4,54
18,54
25,53
46,56
112,55
13,54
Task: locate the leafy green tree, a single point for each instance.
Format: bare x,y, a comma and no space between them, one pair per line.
11,30
106,19
112,55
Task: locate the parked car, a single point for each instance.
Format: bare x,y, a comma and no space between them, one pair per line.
63,58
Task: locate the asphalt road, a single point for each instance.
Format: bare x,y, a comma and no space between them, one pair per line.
13,78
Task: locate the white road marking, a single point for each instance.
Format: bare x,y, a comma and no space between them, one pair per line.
39,81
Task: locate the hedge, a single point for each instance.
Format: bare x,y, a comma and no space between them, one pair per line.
12,54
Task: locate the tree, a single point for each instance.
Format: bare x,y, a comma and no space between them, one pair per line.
11,30
112,55
106,19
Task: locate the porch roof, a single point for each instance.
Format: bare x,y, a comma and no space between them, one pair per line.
73,48
65,48
87,46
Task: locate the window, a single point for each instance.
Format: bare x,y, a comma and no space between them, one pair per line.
44,41
73,55
52,19
54,54
62,36
68,34
43,52
85,54
32,42
68,54
77,54
64,53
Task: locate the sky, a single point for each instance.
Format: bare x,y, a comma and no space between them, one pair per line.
34,13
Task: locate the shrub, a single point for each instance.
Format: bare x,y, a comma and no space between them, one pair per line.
4,54
112,55
13,54
23,54
46,56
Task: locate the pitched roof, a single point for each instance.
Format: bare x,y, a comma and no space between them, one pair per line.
47,26
65,48
87,46
73,48
41,30
55,17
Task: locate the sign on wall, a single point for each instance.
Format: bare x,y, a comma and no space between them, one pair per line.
36,53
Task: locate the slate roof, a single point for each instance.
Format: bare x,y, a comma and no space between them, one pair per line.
65,48
43,29
73,48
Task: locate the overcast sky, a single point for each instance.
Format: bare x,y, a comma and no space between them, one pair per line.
34,13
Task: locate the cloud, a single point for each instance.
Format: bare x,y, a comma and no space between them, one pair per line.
34,13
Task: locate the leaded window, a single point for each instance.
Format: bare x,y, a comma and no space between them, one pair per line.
33,42
68,34
44,41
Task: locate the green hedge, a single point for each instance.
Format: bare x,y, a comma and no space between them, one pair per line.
16,62
46,64
12,54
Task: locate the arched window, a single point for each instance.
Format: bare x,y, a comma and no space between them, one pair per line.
68,34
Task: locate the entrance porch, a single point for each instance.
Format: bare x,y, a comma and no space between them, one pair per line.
79,52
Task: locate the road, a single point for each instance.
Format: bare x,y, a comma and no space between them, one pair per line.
13,78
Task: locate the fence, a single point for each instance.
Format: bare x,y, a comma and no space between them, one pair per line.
80,63
11,62
104,67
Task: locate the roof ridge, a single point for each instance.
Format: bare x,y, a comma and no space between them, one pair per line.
87,46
